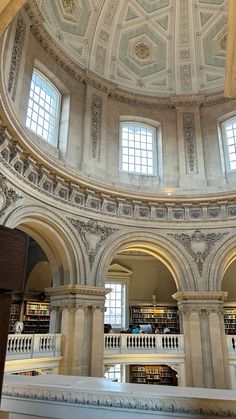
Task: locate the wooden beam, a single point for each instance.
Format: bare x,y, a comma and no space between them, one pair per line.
8,10
230,68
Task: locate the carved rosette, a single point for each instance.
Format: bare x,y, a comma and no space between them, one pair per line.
198,245
190,142
16,58
95,128
93,235
7,195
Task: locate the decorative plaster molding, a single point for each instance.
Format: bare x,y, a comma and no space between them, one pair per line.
93,235
198,245
190,142
95,128
16,58
144,402
7,195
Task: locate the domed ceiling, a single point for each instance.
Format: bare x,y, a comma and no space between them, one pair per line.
153,47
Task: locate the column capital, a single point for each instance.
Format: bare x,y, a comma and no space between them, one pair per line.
200,295
77,296
200,301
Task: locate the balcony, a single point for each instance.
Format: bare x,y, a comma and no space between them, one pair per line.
118,344
33,351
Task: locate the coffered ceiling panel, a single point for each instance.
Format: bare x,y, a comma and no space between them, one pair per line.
154,47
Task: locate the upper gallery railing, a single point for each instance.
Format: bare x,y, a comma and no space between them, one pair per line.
33,346
116,343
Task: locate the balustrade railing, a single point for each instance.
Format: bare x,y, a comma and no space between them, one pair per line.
33,346
153,343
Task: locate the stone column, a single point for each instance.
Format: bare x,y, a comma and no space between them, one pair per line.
81,311
204,336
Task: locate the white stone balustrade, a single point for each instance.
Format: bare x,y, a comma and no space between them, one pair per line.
143,343
33,346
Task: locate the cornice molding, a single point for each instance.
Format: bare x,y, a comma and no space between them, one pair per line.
200,295
144,402
77,290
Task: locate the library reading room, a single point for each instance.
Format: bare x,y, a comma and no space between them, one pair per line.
118,167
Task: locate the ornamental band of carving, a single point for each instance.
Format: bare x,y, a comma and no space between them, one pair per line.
190,142
144,402
46,181
95,128
16,58
198,245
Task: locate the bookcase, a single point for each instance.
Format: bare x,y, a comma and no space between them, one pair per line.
153,374
145,314
37,317
230,320
15,314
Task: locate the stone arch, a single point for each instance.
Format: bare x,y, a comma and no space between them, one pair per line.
154,244
57,240
223,258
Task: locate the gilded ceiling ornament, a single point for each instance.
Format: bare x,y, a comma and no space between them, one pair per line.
142,50
68,6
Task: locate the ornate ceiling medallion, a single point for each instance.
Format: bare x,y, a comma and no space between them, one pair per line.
142,50
68,6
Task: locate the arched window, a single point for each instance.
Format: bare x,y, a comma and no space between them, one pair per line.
138,148
229,142
43,108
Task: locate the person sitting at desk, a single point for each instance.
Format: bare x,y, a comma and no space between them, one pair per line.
136,330
166,329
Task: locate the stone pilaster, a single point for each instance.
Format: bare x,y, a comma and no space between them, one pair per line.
80,310
98,341
204,335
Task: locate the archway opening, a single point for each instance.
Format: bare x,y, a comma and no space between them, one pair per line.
142,309
229,286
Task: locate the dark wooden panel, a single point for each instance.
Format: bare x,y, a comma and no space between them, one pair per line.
13,252
5,309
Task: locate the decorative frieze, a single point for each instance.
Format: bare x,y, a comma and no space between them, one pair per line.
93,235
16,58
198,245
95,127
190,142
